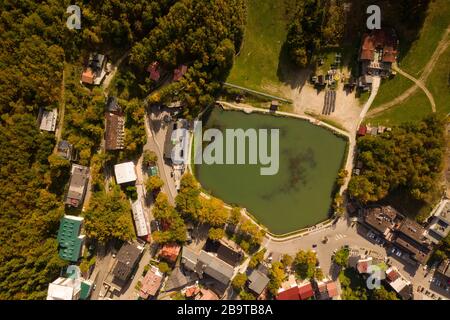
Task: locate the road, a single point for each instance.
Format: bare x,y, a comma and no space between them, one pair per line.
375,86
156,130
342,234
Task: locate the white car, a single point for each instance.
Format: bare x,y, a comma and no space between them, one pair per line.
398,253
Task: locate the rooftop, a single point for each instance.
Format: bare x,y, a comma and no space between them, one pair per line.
151,283
142,229
125,172
412,230
127,258
77,185
170,252
114,131
382,219
69,239
380,45
419,252
48,120
257,281
64,289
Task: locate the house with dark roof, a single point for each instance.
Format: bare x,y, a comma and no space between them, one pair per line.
410,236
114,126
69,238
65,150
444,269
204,263
379,52
126,262
77,185
381,219
231,255
258,281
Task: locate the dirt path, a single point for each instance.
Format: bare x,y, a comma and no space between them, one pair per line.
62,108
418,83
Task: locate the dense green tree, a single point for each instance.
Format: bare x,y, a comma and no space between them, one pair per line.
212,212
109,216
407,159
257,258
341,257
305,264
239,281
187,200
276,276
216,233
154,183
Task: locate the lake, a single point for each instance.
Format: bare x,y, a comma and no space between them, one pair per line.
300,194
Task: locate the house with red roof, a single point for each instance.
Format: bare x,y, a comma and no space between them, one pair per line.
169,252
300,292
151,283
154,70
378,52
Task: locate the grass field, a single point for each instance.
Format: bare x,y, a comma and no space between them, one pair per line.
420,52
257,66
414,108
438,83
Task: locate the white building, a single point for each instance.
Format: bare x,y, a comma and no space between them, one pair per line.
48,120
64,289
125,172
142,227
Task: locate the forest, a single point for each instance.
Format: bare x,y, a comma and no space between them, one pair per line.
36,50
407,159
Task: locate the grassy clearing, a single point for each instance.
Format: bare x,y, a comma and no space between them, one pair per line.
415,108
420,52
439,83
257,66
390,89
435,24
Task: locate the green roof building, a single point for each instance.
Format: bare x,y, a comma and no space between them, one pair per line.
69,238
86,288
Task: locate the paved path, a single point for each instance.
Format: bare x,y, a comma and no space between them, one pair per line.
375,86
62,108
256,92
418,83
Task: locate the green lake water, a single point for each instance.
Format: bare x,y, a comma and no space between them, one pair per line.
300,194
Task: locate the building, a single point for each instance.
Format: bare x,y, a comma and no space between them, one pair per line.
304,291
179,72
77,185
205,263
151,283
126,262
125,173
327,290
95,71
48,120
154,70
399,283
444,269
232,255
274,105
112,105
362,130
410,236
381,219
64,289
257,281
170,252
378,52
140,222
362,266
65,150
114,132
69,239
176,280
439,227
